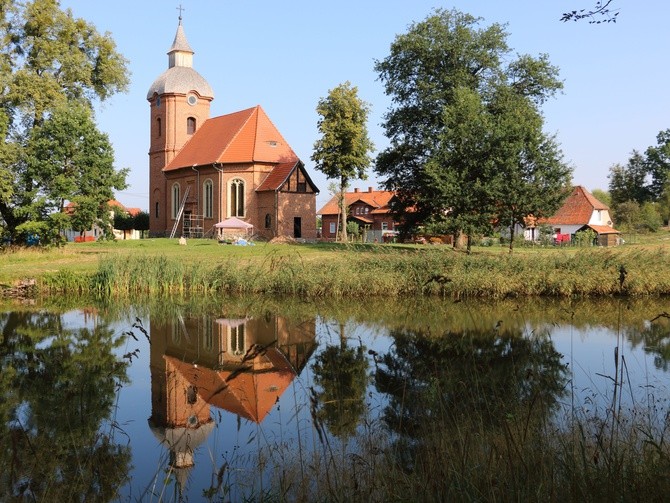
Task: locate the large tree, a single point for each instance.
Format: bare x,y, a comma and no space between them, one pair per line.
50,62
466,140
68,159
343,151
658,164
629,182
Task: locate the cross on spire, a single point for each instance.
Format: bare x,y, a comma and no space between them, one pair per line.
180,9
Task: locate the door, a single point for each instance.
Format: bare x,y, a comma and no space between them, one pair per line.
297,227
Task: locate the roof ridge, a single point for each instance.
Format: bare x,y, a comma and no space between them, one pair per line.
253,153
281,137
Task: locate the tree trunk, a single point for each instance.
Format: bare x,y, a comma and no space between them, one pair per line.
457,240
469,245
343,210
511,238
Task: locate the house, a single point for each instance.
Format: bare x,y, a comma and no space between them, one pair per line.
580,211
369,209
96,231
204,170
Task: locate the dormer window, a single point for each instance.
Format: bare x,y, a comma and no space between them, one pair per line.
190,125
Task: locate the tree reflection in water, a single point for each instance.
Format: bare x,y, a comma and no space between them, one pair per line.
473,383
57,388
340,373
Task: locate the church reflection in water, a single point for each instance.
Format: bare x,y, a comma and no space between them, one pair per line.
239,365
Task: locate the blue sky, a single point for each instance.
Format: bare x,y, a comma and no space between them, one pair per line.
285,56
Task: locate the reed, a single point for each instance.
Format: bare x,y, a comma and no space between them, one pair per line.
320,271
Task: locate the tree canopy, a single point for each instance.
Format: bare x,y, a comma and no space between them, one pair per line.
54,68
645,181
343,151
466,140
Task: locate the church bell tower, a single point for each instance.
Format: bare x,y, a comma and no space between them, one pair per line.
179,100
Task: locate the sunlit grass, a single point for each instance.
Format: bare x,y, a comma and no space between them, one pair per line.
335,270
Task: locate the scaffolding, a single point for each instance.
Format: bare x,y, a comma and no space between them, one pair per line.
194,226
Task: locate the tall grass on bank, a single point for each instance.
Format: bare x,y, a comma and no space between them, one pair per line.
393,273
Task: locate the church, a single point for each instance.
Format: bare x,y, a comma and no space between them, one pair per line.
205,170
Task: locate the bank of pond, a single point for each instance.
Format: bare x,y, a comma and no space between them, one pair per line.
376,271
223,398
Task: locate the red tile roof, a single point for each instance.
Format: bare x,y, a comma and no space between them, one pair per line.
377,199
280,174
131,211
577,208
241,137
249,394
604,229
277,176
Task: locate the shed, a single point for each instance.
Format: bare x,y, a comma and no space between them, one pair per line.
605,235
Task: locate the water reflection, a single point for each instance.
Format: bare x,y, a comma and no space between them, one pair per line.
57,391
340,375
241,365
405,382
466,384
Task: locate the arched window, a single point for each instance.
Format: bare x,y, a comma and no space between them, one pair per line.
237,340
175,200
190,125
268,221
208,198
237,198
159,127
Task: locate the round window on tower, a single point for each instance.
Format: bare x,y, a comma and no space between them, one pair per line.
192,99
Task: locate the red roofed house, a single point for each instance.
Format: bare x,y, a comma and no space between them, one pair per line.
96,231
203,170
369,209
581,211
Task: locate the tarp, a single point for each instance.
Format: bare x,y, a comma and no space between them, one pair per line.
233,223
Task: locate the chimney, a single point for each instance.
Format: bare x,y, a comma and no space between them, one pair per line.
356,189
369,189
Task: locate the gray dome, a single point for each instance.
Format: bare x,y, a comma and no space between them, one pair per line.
180,80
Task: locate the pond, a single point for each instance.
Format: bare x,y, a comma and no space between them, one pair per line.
256,398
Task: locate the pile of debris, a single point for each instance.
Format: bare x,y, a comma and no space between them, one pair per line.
283,240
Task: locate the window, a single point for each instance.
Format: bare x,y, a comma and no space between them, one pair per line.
175,200
156,210
237,340
367,210
190,125
237,198
268,221
159,127
208,333
208,198
302,186
332,227
385,226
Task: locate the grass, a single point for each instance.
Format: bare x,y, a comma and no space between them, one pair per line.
161,266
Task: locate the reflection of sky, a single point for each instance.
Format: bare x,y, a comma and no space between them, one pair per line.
591,358
287,430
